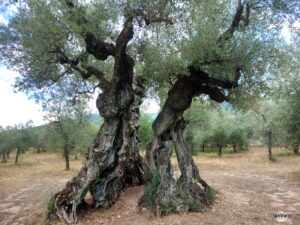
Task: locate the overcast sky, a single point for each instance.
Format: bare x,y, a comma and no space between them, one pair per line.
17,108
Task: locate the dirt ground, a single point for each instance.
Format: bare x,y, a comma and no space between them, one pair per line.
250,190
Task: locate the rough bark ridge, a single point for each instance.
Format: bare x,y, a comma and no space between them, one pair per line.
113,160
112,163
190,192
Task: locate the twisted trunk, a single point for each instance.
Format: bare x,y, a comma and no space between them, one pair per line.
113,160
190,192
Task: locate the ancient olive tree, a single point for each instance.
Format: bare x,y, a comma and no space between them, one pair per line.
54,40
221,56
190,47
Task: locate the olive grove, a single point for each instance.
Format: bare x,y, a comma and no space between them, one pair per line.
173,49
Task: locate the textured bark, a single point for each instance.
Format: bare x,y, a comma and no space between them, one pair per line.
189,192
113,160
166,198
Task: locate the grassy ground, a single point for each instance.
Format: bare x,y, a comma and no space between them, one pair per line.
250,190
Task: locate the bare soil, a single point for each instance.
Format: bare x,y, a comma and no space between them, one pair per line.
250,190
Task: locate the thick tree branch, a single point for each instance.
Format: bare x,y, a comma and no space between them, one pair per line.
214,93
238,17
86,71
123,68
200,76
104,83
98,48
238,20
64,59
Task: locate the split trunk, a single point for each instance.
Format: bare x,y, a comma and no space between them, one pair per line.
113,160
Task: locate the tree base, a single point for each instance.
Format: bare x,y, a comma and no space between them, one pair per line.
163,195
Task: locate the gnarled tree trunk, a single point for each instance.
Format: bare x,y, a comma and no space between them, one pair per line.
190,192
113,160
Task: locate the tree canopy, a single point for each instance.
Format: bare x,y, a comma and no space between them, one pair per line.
239,41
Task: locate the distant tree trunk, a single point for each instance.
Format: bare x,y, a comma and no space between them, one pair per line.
66,156
269,137
17,156
296,149
219,150
7,154
203,147
75,157
234,148
4,159
192,149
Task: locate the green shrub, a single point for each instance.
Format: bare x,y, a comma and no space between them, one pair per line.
150,189
188,200
285,153
168,208
51,205
210,195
